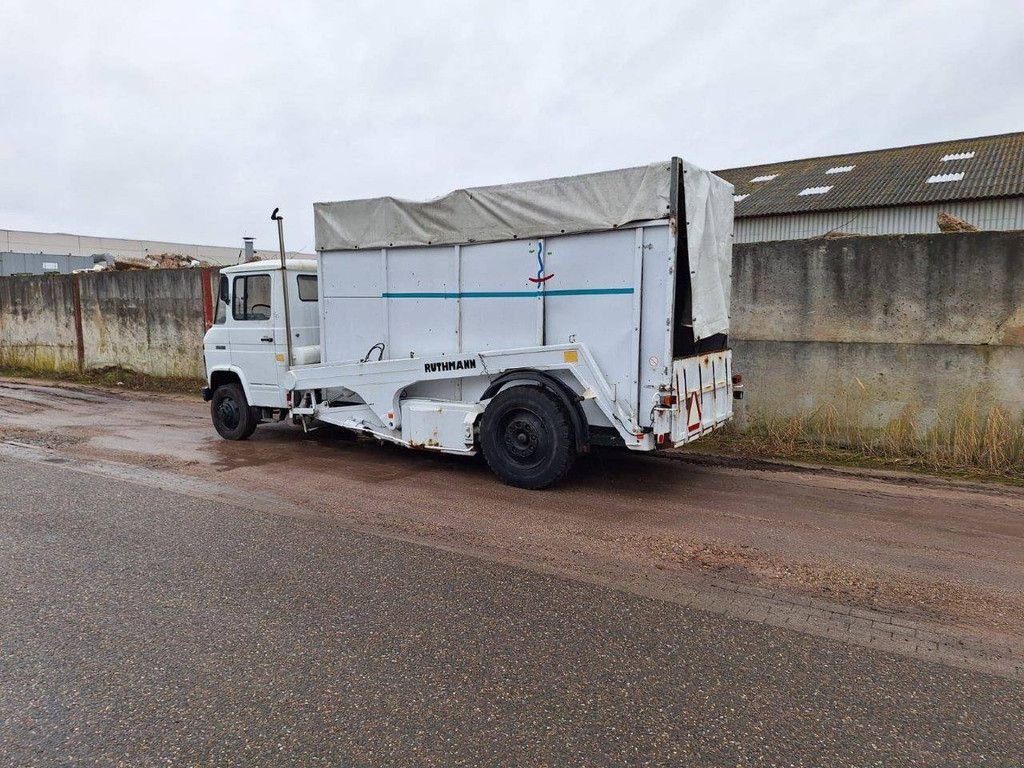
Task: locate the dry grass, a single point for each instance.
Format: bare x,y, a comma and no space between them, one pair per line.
121,378
969,437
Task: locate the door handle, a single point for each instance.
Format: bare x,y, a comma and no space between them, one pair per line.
267,338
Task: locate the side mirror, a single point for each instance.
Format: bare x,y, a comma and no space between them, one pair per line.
223,290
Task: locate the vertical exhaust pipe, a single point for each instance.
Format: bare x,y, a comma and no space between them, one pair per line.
275,216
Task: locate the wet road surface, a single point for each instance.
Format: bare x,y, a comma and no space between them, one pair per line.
144,627
913,565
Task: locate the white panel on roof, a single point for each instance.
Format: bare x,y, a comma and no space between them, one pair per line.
814,191
840,169
768,177
944,177
957,156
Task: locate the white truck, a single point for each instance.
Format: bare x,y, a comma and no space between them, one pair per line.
528,321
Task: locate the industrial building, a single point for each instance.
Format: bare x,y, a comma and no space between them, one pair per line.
13,263
883,192
42,252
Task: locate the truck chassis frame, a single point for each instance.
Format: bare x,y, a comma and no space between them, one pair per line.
381,384
324,393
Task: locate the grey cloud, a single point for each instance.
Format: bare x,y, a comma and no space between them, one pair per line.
190,121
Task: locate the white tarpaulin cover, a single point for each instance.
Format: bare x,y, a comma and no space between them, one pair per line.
709,216
587,203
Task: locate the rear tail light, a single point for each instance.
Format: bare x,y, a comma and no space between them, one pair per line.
737,386
669,400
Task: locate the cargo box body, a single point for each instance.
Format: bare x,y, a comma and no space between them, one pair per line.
613,290
449,299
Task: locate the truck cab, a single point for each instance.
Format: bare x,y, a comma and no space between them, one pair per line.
246,347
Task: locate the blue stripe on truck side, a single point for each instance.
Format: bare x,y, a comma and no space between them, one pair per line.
509,294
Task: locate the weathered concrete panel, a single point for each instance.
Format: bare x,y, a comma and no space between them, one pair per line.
871,384
912,289
37,323
148,321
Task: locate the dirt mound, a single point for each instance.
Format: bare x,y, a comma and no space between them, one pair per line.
950,223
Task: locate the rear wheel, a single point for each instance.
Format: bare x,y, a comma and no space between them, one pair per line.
233,417
526,437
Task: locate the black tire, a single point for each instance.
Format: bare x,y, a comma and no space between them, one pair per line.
527,438
233,417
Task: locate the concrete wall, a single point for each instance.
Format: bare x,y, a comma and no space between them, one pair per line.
37,323
881,323
149,321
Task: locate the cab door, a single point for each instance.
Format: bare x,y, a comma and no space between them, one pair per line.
257,337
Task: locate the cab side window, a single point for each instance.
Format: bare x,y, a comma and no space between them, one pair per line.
307,287
252,298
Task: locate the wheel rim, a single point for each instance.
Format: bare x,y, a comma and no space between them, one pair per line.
522,435
229,413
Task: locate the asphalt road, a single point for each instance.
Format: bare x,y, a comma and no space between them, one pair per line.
142,627
900,563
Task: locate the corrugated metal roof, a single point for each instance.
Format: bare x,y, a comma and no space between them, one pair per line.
992,166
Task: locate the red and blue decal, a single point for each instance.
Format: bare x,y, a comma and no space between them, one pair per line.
541,278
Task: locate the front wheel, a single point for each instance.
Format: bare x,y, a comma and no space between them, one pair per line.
233,417
527,438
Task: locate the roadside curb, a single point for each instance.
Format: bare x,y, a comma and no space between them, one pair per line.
866,473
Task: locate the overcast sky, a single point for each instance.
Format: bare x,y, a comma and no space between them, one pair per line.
190,121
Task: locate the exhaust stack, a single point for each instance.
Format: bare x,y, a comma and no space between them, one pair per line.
275,216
